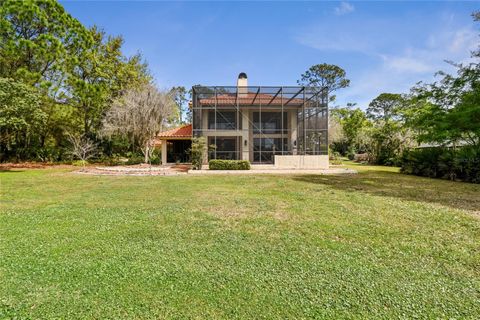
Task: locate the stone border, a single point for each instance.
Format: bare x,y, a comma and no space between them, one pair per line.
134,170
131,174
127,169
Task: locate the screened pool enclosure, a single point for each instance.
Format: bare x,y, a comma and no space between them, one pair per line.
256,123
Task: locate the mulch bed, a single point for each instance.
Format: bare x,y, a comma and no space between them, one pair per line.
32,165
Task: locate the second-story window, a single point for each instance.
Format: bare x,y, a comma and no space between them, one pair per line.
226,120
270,122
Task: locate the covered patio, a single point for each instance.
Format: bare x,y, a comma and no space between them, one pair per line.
175,144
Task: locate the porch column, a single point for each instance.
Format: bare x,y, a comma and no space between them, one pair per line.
293,131
164,152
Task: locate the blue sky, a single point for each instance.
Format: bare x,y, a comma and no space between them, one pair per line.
383,46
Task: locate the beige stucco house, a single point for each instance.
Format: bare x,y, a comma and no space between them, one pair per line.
284,126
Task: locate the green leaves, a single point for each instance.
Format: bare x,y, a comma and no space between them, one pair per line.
327,76
37,37
19,111
352,121
73,68
98,74
180,96
447,111
198,152
385,106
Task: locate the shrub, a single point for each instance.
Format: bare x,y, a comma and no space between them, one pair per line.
156,157
350,153
113,160
444,163
335,158
156,160
393,161
49,154
341,147
79,163
198,151
229,165
134,158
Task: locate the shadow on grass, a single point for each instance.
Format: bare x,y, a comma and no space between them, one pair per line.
9,170
458,195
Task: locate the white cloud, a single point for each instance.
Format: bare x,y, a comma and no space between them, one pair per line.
329,37
407,64
344,8
463,39
392,61
369,84
454,45
334,42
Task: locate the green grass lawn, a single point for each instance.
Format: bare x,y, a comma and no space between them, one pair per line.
375,245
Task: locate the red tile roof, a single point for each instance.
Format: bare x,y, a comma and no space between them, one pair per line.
251,98
182,132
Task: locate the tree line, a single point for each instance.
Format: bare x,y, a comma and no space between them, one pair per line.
433,130
61,82
66,88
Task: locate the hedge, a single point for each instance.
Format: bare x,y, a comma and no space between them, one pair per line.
229,165
444,163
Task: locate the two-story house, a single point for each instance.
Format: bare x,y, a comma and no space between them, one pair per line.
284,126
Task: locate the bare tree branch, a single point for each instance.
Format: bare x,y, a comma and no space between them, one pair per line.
140,115
82,148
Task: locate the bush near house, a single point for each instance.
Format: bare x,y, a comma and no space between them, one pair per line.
445,163
198,152
335,158
229,165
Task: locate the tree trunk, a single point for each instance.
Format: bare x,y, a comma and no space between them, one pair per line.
147,151
86,127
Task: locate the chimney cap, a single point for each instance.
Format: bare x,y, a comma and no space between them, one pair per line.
242,75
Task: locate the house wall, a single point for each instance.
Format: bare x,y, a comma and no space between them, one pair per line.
246,131
164,152
302,162
306,130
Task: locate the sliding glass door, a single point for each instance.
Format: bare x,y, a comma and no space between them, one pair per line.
265,148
